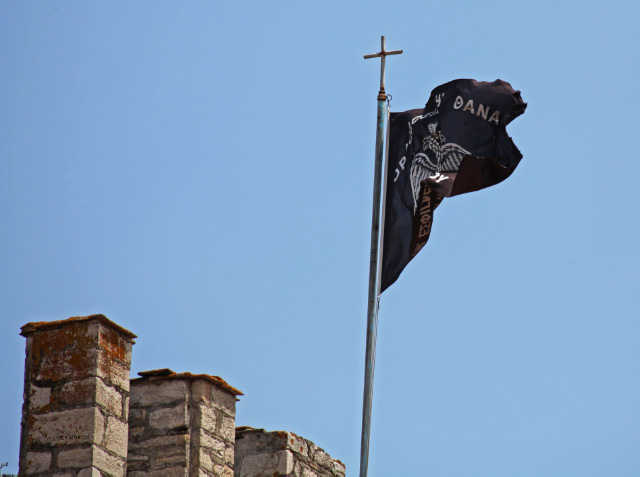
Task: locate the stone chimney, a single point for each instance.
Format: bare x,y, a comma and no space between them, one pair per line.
181,424
76,397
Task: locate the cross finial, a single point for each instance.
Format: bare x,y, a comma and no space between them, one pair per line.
382,54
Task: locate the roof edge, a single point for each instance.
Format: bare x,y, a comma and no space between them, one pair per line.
34,326
165,373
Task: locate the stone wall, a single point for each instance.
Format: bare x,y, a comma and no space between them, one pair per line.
260,453
76,397
82,415
181,424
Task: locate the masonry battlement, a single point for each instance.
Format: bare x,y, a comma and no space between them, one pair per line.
83,415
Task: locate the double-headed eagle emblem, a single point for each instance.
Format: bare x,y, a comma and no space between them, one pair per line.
448,157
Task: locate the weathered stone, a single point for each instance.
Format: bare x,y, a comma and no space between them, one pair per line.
214,446
40,399
229,455
135,432
157,392
204,460
170,451
298,444
201,391
125,408
116,436
38,462
289,453
228,428
223,399
169,418
110,398
170,461
71,412
137,462
259,464
136,415
65,353
82,457
285,462
226,472
76,393
177,440
166,472
114,344
90,472
207,419
61,428
217,470
113,372
107,463
91,390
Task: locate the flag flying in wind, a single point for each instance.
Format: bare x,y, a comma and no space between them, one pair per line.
457,144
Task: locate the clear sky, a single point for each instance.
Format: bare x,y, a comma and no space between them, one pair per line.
201,173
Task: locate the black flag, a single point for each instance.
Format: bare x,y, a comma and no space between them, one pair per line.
457,144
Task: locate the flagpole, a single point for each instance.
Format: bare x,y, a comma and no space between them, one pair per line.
372,306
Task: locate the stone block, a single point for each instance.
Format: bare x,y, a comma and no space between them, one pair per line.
114,344
207,419
156,442
40,399
38,462
116,437
285,462
125,408
259,464
113,372
107,463
228,428
229,453
204,460
90,472
201,391
151,393
64,353
110,398
77,393
82,457
169,418
170,461
166,472
76,426
258,452
137,462
297,444
223,399
213,445
171,451
89,391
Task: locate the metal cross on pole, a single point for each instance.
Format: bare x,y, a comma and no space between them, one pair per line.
372,308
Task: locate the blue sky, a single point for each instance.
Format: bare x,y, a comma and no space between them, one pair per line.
201,173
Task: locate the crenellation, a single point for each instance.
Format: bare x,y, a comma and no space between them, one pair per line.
73,420
262,453
84,417
163,403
